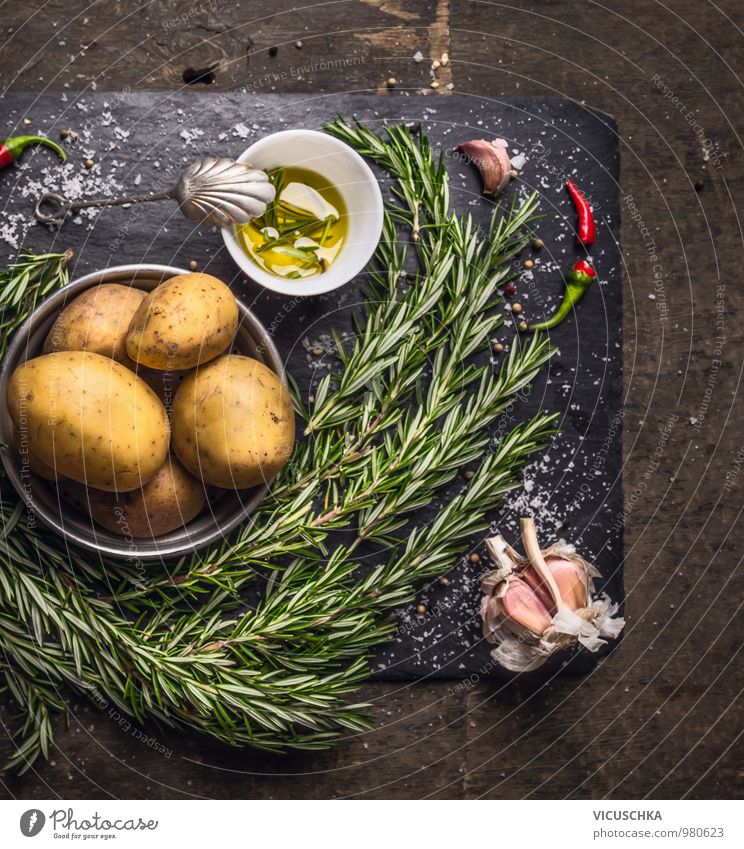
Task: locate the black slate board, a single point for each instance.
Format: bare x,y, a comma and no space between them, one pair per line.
575,488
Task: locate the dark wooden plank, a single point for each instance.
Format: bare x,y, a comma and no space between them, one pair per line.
659,716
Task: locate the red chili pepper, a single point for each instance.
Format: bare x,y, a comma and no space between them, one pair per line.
12,148
586,231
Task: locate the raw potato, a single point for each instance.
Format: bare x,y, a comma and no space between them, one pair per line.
169,501
233,423
90,418
186,321
31,461
97,321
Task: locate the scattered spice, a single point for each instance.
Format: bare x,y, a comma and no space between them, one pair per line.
89,163
517,307
445,59
528,263
273,51
299,45
421,609
193,265
542,604
434,84
577,282
474,558
469,474
13,147
492,160
498,347
538,244
392,82
444,582
513,174
586,231
27,121
510,289
699,185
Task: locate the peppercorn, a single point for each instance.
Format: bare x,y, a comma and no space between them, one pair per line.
299,45
63,133
421,609
514,174
516,308
528,263
444,582
510,289
273,51
469,474
523,325
538,244
392,82
498,347
699,185
193,265
475,558
89,163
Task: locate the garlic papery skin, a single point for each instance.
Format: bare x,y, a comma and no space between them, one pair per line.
536,606
492,160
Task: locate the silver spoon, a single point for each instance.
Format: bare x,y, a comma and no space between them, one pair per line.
215,191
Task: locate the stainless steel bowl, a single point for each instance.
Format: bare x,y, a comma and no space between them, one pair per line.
42,498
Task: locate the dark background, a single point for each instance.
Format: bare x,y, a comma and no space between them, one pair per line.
662,715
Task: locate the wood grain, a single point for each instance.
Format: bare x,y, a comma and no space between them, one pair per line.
661,717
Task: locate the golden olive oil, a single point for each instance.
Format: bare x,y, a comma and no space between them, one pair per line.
302,231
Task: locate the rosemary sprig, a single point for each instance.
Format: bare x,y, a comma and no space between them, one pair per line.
29,279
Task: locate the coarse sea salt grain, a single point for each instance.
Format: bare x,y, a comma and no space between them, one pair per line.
189,136
241,131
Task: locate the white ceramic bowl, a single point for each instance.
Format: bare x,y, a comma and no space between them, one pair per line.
353,178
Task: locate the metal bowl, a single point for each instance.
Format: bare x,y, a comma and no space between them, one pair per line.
42,498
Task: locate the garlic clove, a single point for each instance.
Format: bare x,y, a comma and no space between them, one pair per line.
536,582
524,613
492,160
571,580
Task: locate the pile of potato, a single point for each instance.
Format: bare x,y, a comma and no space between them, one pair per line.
95,409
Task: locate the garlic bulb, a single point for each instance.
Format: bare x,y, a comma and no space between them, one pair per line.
492,160
536,606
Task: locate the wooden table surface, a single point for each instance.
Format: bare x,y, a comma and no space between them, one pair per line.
661,717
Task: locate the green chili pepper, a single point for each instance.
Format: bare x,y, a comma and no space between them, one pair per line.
578,280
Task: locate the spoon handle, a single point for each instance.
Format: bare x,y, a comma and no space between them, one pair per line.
52,207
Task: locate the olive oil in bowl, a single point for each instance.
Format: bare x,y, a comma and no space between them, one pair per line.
303,229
